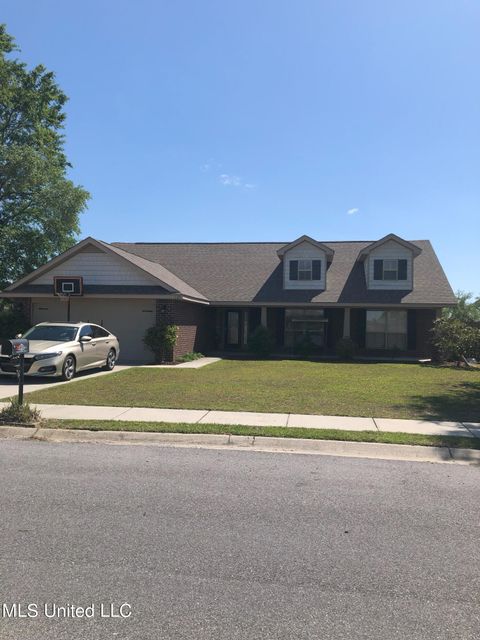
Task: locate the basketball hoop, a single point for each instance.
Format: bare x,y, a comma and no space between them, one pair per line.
65,297
66,287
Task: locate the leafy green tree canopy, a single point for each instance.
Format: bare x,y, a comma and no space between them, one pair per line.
467,309
39,205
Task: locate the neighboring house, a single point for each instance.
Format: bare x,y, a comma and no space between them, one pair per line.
385,295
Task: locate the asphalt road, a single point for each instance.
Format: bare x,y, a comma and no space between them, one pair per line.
228,545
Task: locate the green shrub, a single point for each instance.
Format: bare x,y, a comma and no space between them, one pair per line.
161,339
12,320
304,346
455,339
261,342
189,357
346,349
16,413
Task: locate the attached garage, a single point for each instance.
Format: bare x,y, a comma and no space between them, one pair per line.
115,289
127,318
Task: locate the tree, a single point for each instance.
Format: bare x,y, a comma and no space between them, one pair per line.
455,339
39,205
467,309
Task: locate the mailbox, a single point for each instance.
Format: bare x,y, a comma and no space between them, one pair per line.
14,348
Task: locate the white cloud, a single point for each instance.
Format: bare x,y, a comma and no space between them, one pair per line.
353,211
230,180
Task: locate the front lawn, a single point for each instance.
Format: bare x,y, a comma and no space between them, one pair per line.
379,390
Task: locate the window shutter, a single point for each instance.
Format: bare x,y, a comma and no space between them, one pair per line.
402,269
378,269
316,269
293,269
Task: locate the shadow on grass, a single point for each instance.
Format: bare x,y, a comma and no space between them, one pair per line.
462,405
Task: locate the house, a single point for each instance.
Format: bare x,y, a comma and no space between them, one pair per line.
384,294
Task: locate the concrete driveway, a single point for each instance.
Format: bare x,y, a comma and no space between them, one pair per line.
9,385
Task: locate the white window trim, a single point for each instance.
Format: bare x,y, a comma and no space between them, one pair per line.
305,270
392,261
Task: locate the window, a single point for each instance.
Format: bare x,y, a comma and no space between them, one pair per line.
305,270
86,330
300,323
233,327
99,332
391,270
51,333
386,329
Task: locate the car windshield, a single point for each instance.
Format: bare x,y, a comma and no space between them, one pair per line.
52,333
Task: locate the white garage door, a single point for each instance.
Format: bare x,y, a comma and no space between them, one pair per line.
127,319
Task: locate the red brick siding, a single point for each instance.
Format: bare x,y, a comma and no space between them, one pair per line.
195,325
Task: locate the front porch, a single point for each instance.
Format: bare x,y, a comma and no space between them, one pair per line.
309,331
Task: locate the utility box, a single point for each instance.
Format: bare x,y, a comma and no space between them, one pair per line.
14,348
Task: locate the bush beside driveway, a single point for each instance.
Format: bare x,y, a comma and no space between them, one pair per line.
370,389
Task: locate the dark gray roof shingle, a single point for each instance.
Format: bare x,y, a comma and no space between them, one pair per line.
252,272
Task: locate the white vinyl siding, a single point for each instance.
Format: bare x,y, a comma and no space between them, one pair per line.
304,252
98,268
390,251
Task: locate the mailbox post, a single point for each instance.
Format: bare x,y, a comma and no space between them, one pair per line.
16,350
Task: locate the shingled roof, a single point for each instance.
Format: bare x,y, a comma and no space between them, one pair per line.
252,272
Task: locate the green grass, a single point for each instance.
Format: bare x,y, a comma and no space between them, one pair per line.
271,432
380,390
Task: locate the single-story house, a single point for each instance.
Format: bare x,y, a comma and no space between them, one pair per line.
384,294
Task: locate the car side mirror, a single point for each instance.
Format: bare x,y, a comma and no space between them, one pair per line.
86,339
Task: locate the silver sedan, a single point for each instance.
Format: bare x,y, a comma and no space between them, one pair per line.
60,349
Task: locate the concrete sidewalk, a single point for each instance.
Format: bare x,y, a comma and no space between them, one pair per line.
200,416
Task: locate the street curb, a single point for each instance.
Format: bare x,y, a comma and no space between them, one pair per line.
17,433
380,451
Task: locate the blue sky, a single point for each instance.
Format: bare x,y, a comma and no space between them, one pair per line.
264,120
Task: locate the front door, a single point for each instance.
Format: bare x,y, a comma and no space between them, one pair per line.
233,329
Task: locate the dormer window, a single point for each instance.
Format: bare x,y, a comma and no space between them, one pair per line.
390,270
305,270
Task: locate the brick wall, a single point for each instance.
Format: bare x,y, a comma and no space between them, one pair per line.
196,325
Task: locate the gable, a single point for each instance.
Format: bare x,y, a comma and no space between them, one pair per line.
389,250
305,240
305,250
97,268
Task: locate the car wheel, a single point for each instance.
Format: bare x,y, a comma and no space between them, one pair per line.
111,360
68,369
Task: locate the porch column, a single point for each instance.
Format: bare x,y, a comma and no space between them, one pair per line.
346,322
263,316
